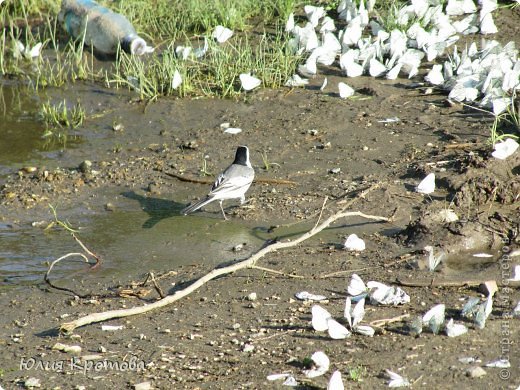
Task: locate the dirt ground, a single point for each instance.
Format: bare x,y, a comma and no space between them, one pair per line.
218,337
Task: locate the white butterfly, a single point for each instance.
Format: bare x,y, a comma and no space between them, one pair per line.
505,149
356,286
289,25
275,377
435,76
487,25
396,380
500,105
466,26
183,52
176,79
376,68
462,93
434,318
427,185
382,294
310,68
201,51
394,72
352,33
21,51
335,381
348,64
411,60
483,312
363,13
354,243
324,85
455,330
345,91
296,81
327,25
314,14
460,7
500,363
307,37
336,330
249,82
321,365
233,130
222,34
488,5
433,261
319,318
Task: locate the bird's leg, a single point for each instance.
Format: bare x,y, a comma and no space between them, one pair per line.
223,213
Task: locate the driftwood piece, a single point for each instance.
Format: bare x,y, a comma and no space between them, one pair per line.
247,263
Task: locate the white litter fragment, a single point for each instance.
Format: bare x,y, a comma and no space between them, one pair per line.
354,243
484,255
500,363
307,296
505,149
455,330
396,380
112,327
427,185
233,130
320,366
393,119
275,377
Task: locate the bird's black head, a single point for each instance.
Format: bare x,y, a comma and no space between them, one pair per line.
242,156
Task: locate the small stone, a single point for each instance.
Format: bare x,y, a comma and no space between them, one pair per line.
236,326
154,189
85,166
29,169
118,127
475,372
102,349
32,382
190,145
238,248
488,288
335,171
143,386
248,348
365,148
312,132
110,207
252,297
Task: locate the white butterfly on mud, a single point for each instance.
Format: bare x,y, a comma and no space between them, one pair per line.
345,91
435,76
336,330
296,81
434,318
314,14
396,380
355,315
249,82
320,365
354,243
427,185
455,330
379,293
433,261
505,149
319,318
348,64
335,381
20,51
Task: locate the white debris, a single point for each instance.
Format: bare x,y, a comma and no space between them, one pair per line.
307,296
354,243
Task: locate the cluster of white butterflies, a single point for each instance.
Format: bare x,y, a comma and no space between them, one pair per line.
492,72
320,366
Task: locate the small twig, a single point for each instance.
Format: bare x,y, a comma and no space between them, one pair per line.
216,272
386,321
157,287
338,273
98,258
321,211
273,271
47,279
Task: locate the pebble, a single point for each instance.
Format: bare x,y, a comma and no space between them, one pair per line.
248,348
85,166
475,372
118,127
32,382
29,169
153,188
110,207
252,297
143,386
335,170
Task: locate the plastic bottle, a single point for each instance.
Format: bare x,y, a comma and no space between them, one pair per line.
104,29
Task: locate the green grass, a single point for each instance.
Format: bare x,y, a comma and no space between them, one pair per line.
164,24
61,116
357,373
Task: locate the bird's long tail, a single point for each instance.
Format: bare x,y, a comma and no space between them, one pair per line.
195,206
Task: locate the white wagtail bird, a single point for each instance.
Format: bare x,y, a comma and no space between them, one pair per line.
233,183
